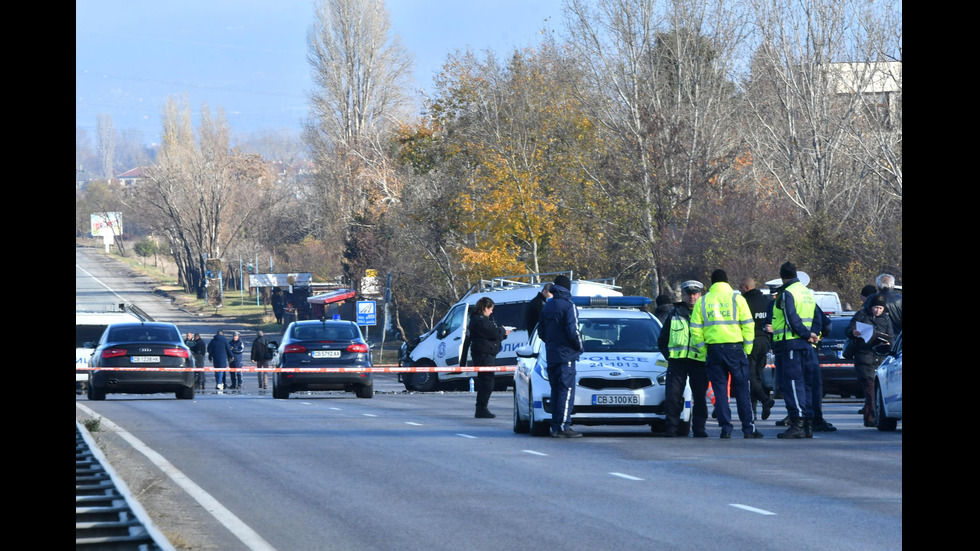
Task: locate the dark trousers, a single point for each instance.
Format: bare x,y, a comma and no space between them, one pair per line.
757,363
868,384
794,372
199,375
726,360
561,375
815,383
483,385
679,371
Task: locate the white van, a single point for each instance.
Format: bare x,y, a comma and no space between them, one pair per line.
89,327
441,346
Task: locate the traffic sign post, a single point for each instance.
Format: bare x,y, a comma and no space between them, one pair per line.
367,313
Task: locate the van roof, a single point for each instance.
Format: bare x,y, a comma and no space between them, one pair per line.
526,292
104,318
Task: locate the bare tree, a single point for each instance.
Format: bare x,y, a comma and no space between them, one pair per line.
825,96
360,71
660,86
106,135
202,194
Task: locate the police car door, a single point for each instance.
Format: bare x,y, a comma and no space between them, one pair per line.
451,340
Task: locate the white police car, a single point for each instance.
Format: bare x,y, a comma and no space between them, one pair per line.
619,378
888,387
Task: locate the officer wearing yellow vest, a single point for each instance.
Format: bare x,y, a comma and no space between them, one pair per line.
684,362
722,323
792,343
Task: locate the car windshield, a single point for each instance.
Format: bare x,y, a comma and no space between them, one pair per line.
321,332
619,335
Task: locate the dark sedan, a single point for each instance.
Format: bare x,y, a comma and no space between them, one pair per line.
838,374
315,344
142,347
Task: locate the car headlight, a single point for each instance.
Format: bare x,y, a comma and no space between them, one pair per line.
662,379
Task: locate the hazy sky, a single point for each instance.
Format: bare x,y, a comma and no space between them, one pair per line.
249,56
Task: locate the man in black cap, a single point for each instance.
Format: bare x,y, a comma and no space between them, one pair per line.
893,300
685,362
558,327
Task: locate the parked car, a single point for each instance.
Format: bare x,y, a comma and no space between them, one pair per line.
620,377
888,386
139,346
838,374
322,343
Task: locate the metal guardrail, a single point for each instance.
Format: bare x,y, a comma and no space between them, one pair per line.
107,517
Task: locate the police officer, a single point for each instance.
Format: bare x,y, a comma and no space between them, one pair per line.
684,361
722,322
759,305
792,342
558,326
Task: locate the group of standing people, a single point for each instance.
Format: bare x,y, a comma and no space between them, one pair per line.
722,338
226,358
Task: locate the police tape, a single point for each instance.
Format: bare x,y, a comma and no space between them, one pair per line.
392,368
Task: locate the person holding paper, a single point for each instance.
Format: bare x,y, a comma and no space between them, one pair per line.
870,327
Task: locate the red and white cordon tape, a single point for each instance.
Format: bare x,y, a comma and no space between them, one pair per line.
384,368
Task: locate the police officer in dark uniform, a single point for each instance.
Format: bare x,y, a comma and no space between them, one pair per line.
685,362
759,305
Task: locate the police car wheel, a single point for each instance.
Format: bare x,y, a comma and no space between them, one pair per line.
536,428
684,428
520,427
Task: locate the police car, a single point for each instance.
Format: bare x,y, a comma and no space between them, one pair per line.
888,386
620,376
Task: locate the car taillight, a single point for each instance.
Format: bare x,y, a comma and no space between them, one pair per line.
357,347
294,349
113,353
178,352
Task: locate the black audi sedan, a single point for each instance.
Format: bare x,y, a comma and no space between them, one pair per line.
135,352
309,345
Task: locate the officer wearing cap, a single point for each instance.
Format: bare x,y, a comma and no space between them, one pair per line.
684,362
558,327
722,323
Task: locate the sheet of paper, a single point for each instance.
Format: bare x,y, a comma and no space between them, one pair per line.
866,329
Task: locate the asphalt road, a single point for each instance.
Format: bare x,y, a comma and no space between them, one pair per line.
417,471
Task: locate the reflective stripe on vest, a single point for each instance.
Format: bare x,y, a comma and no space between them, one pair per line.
727,328
805,308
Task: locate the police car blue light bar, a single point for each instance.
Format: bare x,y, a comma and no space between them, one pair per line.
611,301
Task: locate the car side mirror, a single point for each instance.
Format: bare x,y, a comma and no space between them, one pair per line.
882,349
441,331
525,351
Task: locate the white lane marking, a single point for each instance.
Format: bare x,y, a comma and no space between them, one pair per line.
751,509
335,409
239,529
532,452
626,476
413,424
465,435
369,415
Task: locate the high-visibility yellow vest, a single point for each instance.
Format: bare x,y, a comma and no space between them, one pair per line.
679,341
722,316
805,307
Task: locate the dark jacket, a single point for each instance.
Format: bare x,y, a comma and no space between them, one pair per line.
865,360
261,350
533,312
785,302
483,337
893,307
558,326
199,348
219,351
759,305
237,349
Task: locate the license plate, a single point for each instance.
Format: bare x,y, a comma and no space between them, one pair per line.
326,353
145,359
615,400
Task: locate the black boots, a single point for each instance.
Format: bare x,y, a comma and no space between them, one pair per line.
795,430
808,428
767,408
483,413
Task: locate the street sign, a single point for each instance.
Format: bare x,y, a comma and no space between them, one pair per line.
367,312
